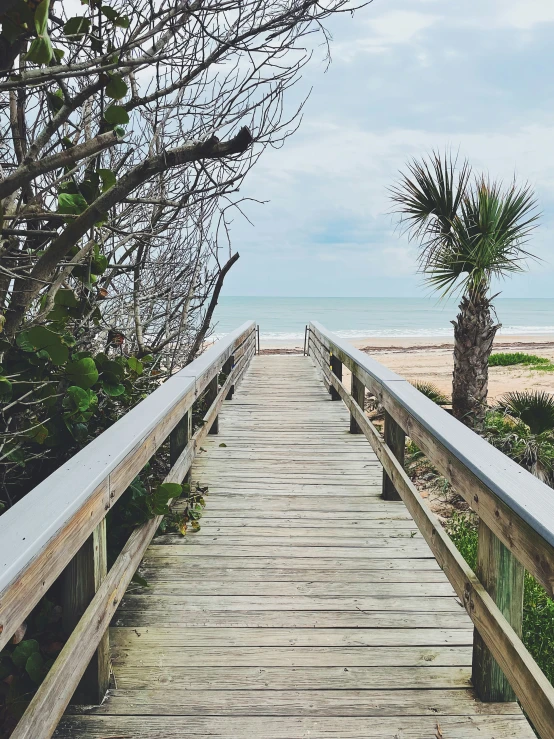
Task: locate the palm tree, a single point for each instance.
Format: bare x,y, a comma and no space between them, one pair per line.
469,230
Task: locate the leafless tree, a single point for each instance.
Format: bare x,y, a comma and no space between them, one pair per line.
127,131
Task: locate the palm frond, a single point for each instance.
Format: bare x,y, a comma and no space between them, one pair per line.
487,238
428,198
432,392
534,407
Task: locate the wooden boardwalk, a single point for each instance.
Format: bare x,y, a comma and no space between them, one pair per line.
305,607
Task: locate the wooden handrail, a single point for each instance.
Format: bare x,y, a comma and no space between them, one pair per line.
44,530
514,504
475,463
51,699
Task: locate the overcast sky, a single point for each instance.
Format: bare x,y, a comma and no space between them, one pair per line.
407,76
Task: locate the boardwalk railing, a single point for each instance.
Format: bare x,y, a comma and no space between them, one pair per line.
515,509
60,526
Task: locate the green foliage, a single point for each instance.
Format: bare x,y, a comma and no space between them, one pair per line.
432,392
77,27
42,339
23,666
538,608
60,398
116,115
41,51
116,89
514,437
534,407
506,359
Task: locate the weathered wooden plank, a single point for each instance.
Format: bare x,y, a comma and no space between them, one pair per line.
404,656
193,602
368,703
297,678
328,727
206,561
379,539
337,588
171,570
55,691
297,619
408,548
168,637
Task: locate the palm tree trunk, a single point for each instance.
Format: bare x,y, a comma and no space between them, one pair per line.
474,331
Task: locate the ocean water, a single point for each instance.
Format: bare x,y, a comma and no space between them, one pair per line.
284,319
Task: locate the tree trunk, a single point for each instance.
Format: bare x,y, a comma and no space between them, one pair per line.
474,332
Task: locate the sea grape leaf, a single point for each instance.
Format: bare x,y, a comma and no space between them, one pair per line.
116,89
135,365
82,372
162,495
116,115
41,51
36,668
77,26
108,178
23,651
38,433
66,297
71,203
42,338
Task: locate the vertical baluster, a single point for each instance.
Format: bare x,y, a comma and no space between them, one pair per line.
395,439
357,390
81,579
503,578
227,369
336,368
211,395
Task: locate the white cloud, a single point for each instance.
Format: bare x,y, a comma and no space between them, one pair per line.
525,14
380,34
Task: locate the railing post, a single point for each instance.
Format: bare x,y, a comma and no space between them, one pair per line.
227,369
395,439
503,578
336,368
179,438
211,395
357,391
82,578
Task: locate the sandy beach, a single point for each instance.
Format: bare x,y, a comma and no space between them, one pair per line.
430,360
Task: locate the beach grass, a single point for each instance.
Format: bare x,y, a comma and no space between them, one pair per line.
507,359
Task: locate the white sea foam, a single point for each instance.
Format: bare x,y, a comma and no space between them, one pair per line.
398,333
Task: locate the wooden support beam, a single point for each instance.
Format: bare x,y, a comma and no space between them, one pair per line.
227,369
395,439
179,438
336,368
82,579
503,578
211,395
357,392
